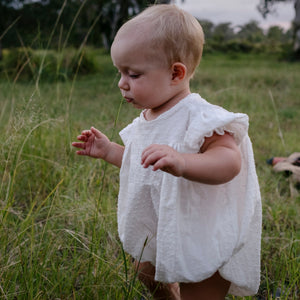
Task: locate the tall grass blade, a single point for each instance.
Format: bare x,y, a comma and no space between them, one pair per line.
9,27
277,120
48,44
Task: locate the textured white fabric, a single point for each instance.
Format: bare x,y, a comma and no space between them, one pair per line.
189,230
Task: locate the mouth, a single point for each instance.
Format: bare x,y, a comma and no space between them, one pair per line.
128,100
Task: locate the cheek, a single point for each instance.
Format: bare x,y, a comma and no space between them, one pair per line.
139,87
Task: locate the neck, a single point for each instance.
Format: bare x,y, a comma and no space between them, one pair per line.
153,113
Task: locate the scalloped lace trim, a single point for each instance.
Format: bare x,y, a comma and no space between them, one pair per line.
219,131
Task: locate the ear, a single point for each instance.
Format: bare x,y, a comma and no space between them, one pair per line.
178,72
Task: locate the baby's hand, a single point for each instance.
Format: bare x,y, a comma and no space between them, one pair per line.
94,143
164,158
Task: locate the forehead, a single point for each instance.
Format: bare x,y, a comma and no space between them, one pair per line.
134,47
125,46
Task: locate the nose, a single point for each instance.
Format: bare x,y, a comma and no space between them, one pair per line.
123,84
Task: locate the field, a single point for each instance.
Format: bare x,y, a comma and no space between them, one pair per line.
58,234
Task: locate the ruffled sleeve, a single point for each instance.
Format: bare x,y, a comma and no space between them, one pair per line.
208,118
126,132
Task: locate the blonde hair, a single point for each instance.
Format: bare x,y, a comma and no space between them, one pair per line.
173,30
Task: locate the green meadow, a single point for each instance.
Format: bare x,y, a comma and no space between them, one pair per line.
58,230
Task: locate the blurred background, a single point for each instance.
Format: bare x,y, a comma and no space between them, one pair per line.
240,23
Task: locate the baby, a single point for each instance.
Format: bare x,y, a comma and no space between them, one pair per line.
189,208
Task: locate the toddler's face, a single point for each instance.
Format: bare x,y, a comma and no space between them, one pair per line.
145,78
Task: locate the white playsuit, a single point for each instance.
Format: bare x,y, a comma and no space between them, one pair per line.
186,229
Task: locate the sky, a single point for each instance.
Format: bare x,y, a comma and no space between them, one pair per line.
238,12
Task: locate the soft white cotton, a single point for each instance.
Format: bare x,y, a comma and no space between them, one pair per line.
189,230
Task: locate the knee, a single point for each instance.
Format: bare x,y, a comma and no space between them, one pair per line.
145,272
215,287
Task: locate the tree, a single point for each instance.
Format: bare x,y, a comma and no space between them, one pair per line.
251,32
208,28
30,20
275,33
116,12
223,32
22,21
296,25
268,6
7,18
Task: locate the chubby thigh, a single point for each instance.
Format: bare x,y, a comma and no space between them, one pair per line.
213,288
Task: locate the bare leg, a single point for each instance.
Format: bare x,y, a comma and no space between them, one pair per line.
213,288
146,273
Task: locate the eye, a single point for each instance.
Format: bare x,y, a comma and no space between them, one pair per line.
134,76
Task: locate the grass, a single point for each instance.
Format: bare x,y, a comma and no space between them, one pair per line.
58,232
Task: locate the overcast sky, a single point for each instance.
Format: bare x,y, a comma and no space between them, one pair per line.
238,12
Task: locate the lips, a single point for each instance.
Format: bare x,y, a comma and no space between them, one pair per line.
128,100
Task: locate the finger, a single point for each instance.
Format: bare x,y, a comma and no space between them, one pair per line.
81,152
86,133
96,132
148,151
161,164
147,158
78,145
152,158
151,147
145,155
82,138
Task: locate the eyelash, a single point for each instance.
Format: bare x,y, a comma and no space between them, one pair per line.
134,76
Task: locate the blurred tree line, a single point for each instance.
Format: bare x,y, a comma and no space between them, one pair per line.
33,22
249,37
55,23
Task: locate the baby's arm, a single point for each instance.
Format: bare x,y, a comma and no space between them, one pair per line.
95,144
218,162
